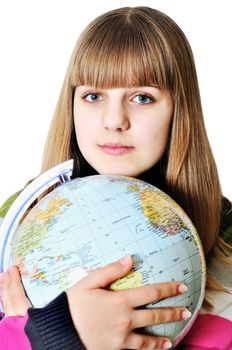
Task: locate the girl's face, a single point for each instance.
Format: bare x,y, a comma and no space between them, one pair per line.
122,131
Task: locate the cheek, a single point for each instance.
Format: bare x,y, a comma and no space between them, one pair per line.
82,135
157,134
86,137
82,126
80,130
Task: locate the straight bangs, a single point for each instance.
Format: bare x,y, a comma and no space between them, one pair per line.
130,54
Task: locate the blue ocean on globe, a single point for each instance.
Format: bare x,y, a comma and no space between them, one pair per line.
89,222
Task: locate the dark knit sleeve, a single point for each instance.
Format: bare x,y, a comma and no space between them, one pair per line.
51,327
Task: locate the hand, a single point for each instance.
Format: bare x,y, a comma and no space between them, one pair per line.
106,319
14,300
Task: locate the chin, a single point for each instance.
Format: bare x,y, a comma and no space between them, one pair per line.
119,171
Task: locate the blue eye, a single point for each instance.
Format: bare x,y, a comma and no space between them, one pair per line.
143,99
92,97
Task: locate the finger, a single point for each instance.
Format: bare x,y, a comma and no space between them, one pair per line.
149,317
5,291
153,293
14,300
17,293
141,341
15,282
102,277
3,281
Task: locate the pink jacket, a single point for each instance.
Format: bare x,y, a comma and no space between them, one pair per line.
12,335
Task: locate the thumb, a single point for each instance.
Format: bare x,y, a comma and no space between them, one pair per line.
14,300
104,276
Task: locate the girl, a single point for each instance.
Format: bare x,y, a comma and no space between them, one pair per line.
130,105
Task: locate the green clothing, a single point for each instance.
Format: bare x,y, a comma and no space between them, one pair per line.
7,204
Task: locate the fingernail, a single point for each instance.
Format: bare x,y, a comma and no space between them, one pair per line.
182,288
167,345
125,260
186,314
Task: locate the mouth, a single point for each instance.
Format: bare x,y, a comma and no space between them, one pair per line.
116,149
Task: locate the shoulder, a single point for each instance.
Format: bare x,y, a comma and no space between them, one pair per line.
226,223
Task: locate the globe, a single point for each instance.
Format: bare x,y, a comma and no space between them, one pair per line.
89,222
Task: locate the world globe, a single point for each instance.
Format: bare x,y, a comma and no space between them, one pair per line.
89,222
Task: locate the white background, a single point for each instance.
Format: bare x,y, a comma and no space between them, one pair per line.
37,38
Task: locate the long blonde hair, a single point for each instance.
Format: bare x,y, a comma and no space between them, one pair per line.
141,46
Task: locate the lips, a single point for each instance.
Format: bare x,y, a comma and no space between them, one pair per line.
116,149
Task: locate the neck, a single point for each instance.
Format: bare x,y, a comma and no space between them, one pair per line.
153,176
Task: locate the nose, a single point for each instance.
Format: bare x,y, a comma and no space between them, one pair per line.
116,118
